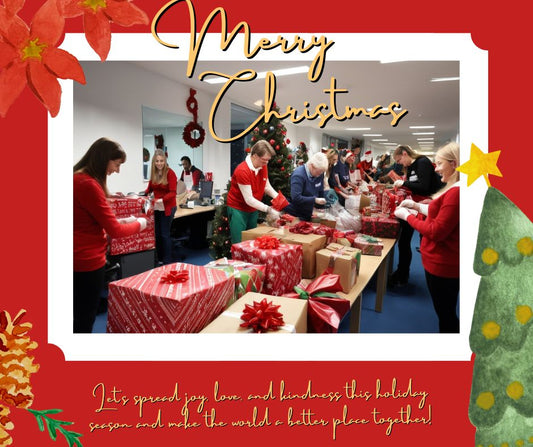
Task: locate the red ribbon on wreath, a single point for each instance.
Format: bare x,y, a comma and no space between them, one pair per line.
192,107
262,316
175,276
267,242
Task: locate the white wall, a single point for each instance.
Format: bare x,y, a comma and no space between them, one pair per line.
110,105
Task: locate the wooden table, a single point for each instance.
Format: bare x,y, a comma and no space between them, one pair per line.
184,212
369,266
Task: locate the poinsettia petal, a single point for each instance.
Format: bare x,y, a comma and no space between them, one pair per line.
15,31
125,13
98,33
7,54
14,6
48,24
12,81
64,65
69,8
45,86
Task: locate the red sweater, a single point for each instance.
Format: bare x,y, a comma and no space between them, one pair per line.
93,218
244,176
440,231
166,192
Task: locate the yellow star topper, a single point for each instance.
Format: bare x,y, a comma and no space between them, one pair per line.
480,164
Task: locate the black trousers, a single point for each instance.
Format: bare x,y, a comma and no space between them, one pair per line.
87,290
444,293
405,254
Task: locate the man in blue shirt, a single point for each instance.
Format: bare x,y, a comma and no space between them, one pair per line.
307,187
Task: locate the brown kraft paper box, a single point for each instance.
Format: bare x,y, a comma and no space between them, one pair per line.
344,260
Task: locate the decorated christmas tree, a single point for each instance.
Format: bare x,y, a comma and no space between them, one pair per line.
220,244
301,154
501,399
280,166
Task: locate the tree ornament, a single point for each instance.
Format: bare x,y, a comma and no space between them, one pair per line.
265,131
277,147
272,142
288,141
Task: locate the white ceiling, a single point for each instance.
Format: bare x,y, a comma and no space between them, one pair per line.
369,83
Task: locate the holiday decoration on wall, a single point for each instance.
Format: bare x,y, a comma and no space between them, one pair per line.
280,165
193,133
501,400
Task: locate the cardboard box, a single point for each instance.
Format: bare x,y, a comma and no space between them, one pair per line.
261,230
344,261
310,243
145,304
294,315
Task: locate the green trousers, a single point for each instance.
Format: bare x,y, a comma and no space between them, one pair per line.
240,221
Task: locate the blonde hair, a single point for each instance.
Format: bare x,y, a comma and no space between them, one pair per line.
155,177
449,152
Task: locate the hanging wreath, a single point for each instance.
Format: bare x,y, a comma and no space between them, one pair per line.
193,133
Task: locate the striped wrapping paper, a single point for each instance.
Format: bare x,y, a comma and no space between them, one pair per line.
283,265
143,303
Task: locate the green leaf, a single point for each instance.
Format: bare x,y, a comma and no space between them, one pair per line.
53,426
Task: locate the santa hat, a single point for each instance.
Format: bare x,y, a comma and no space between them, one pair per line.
349,154
368,156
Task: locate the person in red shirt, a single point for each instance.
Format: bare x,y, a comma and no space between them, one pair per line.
249,183
94,219
440,245
163,184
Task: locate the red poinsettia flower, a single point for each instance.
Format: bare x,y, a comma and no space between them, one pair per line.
97,18
30,56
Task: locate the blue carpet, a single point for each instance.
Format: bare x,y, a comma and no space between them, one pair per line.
405,310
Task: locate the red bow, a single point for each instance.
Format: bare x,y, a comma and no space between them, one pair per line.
262,316
302,228
267,242
173,276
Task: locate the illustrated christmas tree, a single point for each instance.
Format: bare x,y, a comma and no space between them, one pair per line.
220,244
501,399
280,165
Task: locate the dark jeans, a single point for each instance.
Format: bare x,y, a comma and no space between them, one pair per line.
405,255
88,287
444,293
163,241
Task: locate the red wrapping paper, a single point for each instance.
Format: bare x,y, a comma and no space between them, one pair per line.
144,240
324,313
279,202
367,244
380,226
283,264
390,199
145,304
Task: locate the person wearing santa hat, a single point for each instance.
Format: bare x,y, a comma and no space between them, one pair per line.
365,166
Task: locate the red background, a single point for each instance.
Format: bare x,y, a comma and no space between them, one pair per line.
68,386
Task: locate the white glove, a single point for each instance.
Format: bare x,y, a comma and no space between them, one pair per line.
402,213
126,220
142,221
273,214
398,183
408,203
320,201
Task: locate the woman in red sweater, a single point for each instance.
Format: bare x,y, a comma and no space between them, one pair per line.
93,220
440,244
163,183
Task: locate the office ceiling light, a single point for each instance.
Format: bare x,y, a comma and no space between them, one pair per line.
423,133
426,139
372,135
262,74
451,78
380,139
421,127
358,128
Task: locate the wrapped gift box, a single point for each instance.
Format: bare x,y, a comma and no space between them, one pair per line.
294,315
144,240
283,264
310,243
248,277
339,260
380,225
368,245
145,303
390,199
